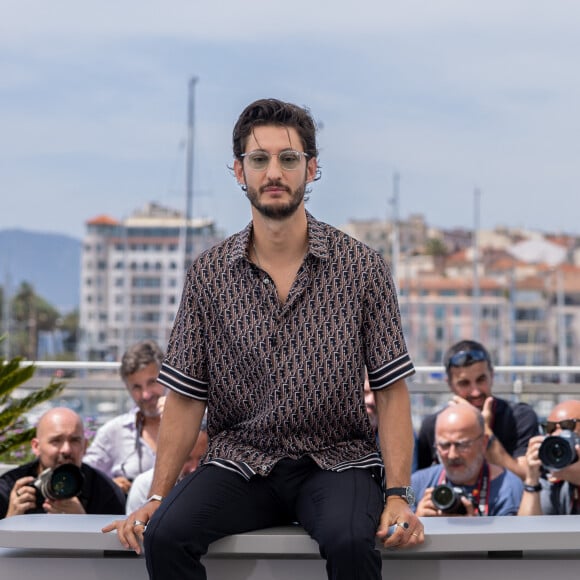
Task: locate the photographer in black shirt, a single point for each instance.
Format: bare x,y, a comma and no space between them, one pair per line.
59,441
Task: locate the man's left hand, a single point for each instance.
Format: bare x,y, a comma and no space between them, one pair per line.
409,529
570,473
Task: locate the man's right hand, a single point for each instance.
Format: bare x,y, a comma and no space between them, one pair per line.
123,483
425,506
533,463
22,497
130,531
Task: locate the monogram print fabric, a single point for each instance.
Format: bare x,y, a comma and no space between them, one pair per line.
286,380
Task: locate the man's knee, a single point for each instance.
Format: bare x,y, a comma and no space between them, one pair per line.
346,545
166,533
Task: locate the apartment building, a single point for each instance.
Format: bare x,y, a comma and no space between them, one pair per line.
521,298
132,274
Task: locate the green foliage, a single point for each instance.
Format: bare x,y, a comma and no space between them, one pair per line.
14,431
30,314
70,325
436,247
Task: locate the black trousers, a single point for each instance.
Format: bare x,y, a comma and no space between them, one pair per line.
340,511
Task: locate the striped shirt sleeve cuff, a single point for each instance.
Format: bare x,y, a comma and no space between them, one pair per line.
392,372
182,384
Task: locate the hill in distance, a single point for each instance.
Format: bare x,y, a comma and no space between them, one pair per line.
49,262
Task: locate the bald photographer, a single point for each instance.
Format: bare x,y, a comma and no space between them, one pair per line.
553,470
57,481
463,483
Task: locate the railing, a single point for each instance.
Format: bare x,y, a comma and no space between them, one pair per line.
95,390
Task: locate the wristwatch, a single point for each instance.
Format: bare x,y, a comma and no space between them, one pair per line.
407,493
154,497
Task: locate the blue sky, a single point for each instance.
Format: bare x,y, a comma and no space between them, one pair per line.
451,94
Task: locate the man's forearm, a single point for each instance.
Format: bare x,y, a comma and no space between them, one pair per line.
530,504
178,433
497,455
395,432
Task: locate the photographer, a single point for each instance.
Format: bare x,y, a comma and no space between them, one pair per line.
59,441
509,425
547,490
473,487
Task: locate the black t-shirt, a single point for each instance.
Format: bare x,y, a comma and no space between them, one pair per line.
514,424
99,495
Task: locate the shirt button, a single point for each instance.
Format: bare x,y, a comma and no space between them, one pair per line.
266,281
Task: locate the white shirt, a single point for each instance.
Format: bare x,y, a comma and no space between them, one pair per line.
119,450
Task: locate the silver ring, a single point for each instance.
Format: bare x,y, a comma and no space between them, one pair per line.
403,525
138,523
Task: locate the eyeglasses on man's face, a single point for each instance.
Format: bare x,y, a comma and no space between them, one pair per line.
565,425
289,159
460,446
464,358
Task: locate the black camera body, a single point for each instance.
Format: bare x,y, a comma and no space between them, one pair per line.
559,451
447,498
62,482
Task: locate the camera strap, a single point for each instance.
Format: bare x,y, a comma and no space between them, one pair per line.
480,493
573,498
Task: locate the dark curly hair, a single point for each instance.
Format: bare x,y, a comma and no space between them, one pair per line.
275,112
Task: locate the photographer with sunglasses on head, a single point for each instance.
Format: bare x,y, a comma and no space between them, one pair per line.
508,425
552,466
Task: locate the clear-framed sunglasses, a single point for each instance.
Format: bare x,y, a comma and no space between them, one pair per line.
289,159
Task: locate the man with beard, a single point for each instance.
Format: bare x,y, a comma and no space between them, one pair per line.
508,426
479,488
274,331
125,446
59,440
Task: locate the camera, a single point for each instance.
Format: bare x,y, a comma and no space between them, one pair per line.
62,482
448,499
559,451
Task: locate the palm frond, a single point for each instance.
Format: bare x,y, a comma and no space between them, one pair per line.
12,375
14,429
15,440
15,408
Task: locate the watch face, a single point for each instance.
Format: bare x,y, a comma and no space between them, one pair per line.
410,496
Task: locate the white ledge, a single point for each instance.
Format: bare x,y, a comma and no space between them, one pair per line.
558,536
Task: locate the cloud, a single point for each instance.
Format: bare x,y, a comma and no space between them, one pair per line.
452,95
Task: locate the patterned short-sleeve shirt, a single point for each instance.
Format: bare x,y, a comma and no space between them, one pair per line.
286,379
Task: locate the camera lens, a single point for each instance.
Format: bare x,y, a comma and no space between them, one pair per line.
62,482
557,451
65,482
443,497
447,499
